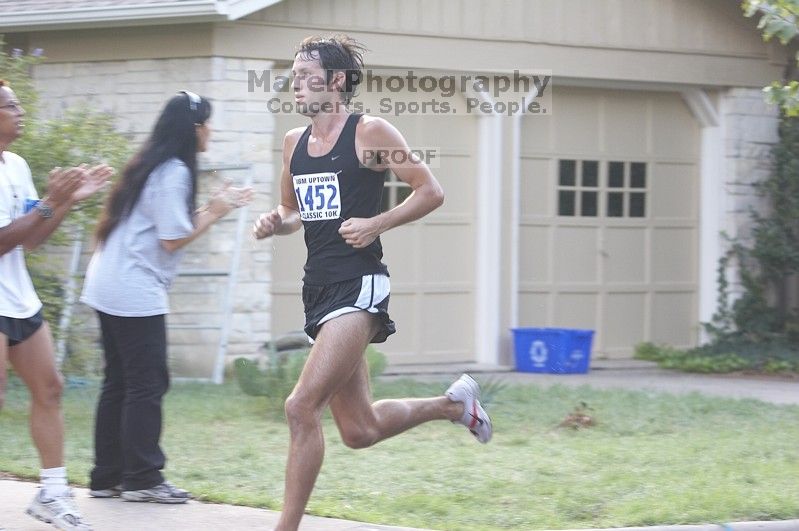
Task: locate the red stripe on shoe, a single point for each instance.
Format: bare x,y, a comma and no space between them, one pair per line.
473,423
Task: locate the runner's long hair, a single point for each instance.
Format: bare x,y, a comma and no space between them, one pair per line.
174,136
337,53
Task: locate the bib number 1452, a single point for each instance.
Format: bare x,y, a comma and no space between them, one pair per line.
318,196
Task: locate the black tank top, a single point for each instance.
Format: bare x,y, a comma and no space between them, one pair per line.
330,189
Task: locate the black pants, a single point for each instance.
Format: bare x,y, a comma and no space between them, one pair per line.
128,423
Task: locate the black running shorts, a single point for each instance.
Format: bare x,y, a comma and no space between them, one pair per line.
18,330
369,293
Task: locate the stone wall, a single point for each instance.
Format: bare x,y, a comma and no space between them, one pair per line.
750,132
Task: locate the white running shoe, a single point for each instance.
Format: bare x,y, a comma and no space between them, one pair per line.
60,511
466,390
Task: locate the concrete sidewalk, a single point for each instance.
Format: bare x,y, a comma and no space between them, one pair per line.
117,515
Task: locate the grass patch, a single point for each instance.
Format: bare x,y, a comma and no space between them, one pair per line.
648,459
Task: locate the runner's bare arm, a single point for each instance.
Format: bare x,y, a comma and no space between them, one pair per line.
285,219
377,134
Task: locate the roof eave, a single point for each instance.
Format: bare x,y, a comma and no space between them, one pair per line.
165,13
236,9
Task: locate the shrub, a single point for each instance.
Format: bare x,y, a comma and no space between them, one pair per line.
277,379
723,357
78,135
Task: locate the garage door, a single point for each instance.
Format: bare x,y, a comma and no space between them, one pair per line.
431,261
609,226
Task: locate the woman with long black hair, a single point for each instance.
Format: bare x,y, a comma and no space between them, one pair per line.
149,217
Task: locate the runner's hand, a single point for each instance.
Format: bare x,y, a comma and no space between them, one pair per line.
359,232
267,225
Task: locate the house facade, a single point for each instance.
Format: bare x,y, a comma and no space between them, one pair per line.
603,213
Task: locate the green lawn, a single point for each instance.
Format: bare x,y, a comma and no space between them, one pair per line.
651,459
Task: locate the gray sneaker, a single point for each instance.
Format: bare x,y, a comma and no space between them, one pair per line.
113,492
59,511
163,493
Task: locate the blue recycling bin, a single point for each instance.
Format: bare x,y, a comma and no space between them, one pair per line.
552,350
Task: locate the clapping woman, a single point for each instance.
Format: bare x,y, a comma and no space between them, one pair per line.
149,217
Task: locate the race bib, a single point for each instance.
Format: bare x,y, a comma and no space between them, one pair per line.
318,196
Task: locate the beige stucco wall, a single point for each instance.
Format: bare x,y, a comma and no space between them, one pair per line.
129,43
706,43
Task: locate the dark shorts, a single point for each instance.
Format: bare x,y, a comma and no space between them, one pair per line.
19,330
369,293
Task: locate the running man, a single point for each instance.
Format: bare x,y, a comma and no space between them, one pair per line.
25,338
329,187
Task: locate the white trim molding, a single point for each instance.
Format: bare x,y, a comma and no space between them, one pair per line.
515,207
711,201
488,281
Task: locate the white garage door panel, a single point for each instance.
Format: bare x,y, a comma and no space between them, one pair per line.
627,120
575,310
576,121
448,255
448,332
577,254
535,187
401,254
534,308
674,133
625,254
673,255
534,254
455,176
538,135
624,320
673,319
628,273
673,189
